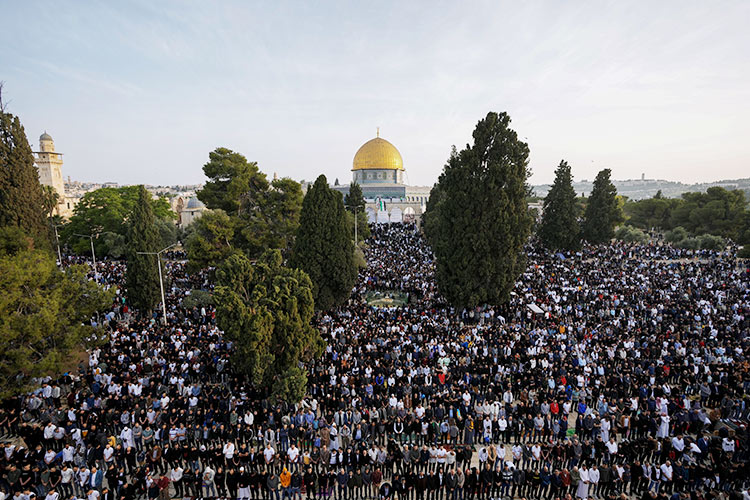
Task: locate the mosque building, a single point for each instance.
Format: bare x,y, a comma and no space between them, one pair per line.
49,163
379,170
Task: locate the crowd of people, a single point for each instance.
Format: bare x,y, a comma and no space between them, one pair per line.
619,372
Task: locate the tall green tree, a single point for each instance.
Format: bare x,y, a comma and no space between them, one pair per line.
354,200
559,229
45,313
209,240
266,309
142,275
324,248
21,196
355,205
261,214
479,220
269,217
231,179
603,211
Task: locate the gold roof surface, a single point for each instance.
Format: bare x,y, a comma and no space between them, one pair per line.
378,154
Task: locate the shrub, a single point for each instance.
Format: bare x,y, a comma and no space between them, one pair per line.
631,234
711,242
676,235
688,243
197,298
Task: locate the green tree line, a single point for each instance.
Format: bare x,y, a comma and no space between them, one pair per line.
718,212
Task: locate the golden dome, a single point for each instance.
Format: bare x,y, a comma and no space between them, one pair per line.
378,154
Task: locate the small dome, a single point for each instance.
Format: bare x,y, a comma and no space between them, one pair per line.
194,203
378,154
45,137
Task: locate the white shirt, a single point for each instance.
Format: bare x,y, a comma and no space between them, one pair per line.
594,475
727,445
176,473
611,447
666,471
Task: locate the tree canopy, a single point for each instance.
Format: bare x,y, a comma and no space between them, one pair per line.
651,213
718,212
255,215
477,220
106,212
209,239
269,218
560,229
324,247
21,195
231,180
266,309
44,313
142,275
603,211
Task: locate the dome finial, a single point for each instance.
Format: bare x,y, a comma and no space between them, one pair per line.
377,133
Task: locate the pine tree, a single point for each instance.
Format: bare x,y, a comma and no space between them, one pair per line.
560,229
478,221
142,276
324,248
21,197
603,212
45,313
231,179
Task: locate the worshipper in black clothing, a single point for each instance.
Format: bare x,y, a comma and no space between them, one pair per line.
386,491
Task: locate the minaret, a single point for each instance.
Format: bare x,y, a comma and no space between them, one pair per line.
49,164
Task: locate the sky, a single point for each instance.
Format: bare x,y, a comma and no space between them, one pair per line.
141,91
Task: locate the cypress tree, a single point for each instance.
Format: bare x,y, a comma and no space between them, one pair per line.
355,204
323,248
354,200
602,211
21,196
560,229
142,276
479,220
266,309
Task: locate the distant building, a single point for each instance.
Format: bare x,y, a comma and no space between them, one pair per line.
188,212
379,170
49,163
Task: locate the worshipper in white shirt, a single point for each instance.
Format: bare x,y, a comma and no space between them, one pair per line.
229,451
594,476
582,491
666,474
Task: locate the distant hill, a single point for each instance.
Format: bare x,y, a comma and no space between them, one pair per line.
638,189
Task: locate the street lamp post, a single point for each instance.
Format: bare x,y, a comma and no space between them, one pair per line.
57,240
161,280
356,209
91,239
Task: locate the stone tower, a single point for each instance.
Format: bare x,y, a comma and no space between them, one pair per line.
49,164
